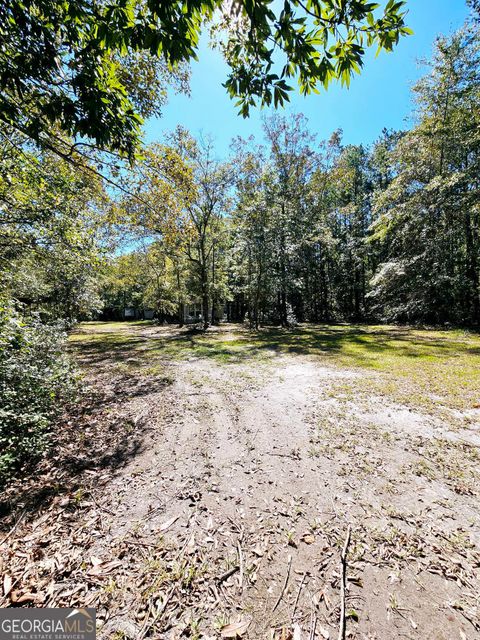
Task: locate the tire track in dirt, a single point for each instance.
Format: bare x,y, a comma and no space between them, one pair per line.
233,458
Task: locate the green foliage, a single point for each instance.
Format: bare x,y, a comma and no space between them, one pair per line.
181,201
70,68
348,232
320,41
146,278
302,215
426,227
51,228
318,231
35,380
475,6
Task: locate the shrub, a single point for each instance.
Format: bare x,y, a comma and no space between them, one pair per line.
36,378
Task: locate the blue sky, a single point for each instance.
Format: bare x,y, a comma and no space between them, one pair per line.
379,97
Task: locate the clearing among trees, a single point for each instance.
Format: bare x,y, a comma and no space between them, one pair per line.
209,483
271,447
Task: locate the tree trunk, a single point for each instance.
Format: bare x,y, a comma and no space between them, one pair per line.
473,301
205,310
180,314
283,279
180,303
205,297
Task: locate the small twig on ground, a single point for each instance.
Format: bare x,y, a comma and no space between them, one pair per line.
165,603
224,576
14,528
158,614
313,627
471,620
101,507
214,590
343,586
298,594
139,543
284,584
240,560
282,455
237,527
187,542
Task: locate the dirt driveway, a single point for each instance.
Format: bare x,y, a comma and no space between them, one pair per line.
215,498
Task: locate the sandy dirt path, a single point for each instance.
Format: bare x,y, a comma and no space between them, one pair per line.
228,512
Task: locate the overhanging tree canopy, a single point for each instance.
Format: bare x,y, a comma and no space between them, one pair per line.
63,62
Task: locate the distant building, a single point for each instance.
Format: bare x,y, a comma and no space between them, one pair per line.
193,312
130,313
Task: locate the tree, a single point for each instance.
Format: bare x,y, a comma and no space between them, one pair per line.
475,6
51,231
280,229
142,279
206,218
351,182
293,162
66,67
323,250
251,265
179,199
153,211
429,213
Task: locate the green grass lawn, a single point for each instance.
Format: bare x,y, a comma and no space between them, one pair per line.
418,366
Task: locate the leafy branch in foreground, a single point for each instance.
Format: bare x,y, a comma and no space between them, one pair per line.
92,70
315,42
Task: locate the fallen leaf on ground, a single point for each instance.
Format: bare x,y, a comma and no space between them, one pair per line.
235,629
18,598
352,614
7,584
166,525
104,568
355,580
308,538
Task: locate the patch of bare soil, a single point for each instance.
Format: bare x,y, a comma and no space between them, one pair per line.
216,502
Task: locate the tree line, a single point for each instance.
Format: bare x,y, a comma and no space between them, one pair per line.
292,229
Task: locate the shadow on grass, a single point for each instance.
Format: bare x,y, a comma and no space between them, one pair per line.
361,345
104,349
